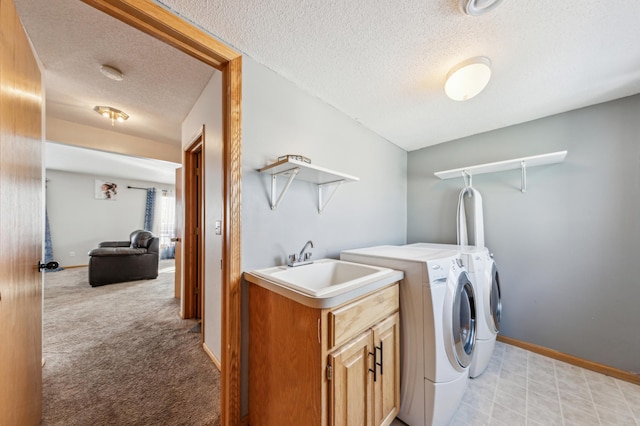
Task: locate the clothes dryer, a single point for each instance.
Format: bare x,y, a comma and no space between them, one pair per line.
437,328
486,284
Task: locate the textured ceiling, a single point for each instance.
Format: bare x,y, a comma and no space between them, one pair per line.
73,40
382,63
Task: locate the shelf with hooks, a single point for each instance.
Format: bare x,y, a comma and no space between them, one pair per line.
292,169
500,166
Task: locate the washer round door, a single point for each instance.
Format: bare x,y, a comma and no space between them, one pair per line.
464,321
493,299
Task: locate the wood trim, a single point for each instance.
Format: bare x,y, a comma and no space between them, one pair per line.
627,376
231,254
161,24
215,360
192,246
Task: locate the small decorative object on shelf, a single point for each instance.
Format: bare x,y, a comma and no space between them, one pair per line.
295,157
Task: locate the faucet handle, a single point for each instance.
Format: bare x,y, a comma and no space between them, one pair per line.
293,258
307,256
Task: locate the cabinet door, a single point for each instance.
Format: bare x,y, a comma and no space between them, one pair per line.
350,388
386,338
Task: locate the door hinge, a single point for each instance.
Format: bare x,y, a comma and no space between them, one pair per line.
196,290
196,231
329,372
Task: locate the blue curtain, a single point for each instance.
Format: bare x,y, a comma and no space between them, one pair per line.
48,246
149,211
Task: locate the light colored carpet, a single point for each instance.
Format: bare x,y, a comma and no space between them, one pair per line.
120,355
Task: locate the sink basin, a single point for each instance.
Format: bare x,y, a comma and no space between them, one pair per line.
325,282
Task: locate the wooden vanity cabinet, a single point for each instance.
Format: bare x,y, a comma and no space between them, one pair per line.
334,366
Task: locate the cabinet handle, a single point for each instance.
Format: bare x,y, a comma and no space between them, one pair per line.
375,362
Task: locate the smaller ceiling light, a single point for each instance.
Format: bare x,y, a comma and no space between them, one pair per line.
478,7
111,72
468,78
111,113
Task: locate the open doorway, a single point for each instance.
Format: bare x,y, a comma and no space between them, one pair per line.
193,293
156,21
153,19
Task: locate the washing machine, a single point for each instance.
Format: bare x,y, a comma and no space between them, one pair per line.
486,283
437,328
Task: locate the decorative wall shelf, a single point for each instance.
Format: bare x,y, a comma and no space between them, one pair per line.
499,166
292,168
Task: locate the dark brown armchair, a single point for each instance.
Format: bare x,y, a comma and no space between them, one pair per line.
120,261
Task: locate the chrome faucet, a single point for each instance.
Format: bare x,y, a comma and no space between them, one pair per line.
303,258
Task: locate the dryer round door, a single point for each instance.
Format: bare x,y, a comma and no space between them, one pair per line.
493,299
464,321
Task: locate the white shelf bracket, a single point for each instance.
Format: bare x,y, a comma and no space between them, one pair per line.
523,177
321,186
274,179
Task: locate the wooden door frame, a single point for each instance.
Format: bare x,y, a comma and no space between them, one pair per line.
158,22
193,247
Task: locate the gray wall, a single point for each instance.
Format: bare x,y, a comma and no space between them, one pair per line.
78,221
207,112
279,118
566,248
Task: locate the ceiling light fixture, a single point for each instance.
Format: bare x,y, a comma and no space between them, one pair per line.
478,7
111,113
111,72
468,78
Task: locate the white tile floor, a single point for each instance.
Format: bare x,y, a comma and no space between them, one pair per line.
523,388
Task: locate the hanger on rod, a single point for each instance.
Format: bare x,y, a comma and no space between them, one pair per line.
468,178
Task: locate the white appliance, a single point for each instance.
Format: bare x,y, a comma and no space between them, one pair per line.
437,328
486,283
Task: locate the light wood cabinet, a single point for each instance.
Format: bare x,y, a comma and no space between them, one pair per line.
335,366
364,387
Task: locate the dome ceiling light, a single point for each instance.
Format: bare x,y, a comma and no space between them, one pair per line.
478,7
468,78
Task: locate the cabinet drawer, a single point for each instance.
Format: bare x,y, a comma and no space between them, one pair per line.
349,320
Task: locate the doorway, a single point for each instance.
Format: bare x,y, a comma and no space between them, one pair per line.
152,19
193,294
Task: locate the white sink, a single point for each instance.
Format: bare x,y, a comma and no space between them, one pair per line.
325,282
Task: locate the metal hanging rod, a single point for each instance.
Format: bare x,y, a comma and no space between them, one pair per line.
137,187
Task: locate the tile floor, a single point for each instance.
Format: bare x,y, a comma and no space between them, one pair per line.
523,388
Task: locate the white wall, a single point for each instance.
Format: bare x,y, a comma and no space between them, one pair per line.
567,248
207,111
78,221
279,118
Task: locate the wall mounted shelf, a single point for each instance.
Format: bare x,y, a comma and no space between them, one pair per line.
499,166
292,169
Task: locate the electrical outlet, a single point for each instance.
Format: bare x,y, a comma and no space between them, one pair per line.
72,253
